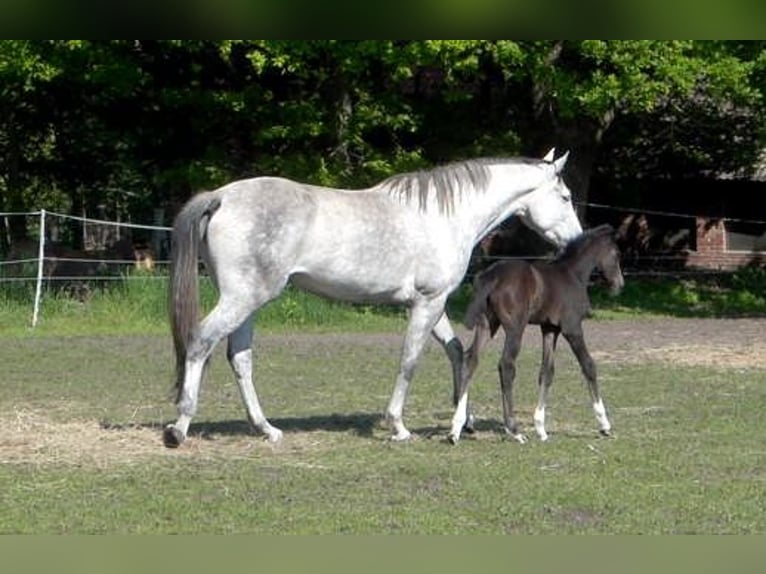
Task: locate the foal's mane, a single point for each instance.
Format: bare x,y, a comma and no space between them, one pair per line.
446,182
582,242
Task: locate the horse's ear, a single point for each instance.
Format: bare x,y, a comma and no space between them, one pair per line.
549,156
560,163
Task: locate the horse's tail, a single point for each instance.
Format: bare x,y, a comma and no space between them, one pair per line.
183,293
483,286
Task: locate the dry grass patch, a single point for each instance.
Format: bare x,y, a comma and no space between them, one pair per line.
32,437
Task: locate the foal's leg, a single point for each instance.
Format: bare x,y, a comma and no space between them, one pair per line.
507,371
240,356
424,315
462,414
547,368
454,349
576,340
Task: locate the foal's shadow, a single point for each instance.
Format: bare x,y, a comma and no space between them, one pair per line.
441,430
360,424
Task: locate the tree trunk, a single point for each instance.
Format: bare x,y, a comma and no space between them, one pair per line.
583,138
17,225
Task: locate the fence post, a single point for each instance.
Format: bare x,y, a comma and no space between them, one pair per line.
40,261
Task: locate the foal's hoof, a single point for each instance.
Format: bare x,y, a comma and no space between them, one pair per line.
172,437
605,432
453,438
469,426
401,436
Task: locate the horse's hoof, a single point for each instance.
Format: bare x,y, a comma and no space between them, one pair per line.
274,436
605,432
172,437
452,439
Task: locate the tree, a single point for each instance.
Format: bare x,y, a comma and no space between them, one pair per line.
579,90
25,128
143,124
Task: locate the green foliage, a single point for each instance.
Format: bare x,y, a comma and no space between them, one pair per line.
140,124
726,295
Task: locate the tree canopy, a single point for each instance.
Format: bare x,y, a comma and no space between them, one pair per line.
134,125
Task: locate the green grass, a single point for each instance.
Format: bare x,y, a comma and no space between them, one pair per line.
138,305
82,419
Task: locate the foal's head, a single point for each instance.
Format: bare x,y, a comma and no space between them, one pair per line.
607,257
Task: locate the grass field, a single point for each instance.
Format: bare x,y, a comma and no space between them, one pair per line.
81,450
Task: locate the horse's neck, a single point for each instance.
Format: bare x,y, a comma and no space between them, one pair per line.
509,187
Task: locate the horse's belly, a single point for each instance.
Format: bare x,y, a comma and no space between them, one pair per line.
357,289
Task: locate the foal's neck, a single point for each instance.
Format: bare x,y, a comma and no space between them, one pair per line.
583,265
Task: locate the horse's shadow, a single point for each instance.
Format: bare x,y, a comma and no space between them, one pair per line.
360,424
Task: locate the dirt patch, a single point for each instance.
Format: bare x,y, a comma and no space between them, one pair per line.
722,357
717,343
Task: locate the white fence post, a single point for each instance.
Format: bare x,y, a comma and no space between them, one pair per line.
40,261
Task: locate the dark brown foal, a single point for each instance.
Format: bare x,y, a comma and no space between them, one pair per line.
551,294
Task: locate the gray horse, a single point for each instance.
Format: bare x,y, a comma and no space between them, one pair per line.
407,240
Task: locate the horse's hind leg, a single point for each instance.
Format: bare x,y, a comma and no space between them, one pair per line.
222,320
240,356
545,379
588,366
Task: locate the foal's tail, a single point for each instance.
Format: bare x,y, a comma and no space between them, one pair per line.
183,292
483,286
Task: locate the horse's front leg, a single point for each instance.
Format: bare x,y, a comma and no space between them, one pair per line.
545,379
576,340
424,315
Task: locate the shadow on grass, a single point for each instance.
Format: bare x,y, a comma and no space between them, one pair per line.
362,424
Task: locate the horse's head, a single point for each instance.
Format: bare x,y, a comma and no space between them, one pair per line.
548,209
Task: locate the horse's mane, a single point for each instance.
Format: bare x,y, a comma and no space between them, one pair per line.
575,247
446,182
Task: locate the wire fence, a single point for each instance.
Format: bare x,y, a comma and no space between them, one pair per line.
114,248
112,251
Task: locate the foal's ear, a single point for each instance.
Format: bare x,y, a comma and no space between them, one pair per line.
560,163
549,156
